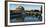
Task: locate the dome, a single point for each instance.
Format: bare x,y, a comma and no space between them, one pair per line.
20,7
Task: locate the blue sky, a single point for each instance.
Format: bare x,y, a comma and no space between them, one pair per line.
27,7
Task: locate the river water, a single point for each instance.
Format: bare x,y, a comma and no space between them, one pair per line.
27,19
31,18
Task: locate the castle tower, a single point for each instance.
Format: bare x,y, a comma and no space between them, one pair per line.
19,8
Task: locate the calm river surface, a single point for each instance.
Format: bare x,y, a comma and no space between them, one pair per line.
27,19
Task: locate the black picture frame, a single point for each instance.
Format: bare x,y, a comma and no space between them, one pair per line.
6,13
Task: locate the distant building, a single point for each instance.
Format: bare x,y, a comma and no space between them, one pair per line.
19,8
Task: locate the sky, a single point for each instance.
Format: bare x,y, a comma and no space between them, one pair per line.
26,7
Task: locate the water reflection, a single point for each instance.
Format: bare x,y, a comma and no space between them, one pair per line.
27,18
32,18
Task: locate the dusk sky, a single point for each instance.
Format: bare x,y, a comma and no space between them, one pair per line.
27,7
